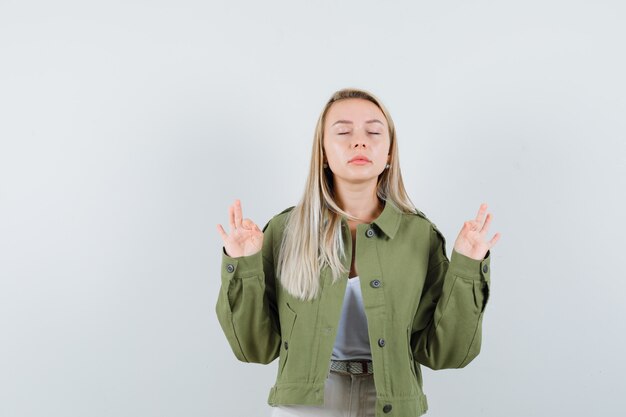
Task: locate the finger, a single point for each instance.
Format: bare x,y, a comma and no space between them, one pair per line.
249,224
485,227
221,231
238,213
494,240
480,217
231,217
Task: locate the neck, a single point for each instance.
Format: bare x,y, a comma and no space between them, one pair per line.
359,200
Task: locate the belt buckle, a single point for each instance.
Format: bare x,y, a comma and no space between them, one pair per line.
363,367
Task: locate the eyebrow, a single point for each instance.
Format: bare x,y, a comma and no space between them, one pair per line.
350,122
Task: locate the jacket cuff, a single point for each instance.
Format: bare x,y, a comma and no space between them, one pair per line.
242,266
466,267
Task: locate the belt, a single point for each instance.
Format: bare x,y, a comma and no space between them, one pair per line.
357,367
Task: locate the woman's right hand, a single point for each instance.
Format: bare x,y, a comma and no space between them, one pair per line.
245,237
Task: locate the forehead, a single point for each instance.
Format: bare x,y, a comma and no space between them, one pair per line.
356,110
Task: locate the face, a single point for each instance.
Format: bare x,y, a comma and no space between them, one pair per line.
356,140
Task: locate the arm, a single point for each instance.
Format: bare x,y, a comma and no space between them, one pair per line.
448,323
447,327
246,304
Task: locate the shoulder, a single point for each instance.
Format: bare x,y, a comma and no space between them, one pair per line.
278,220
436,237
421,218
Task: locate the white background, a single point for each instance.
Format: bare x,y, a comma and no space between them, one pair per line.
128,127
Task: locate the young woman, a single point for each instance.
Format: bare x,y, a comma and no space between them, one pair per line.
352,288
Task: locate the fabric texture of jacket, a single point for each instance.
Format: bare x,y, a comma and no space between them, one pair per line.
421,308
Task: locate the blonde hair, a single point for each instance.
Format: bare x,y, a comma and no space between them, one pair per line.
312,236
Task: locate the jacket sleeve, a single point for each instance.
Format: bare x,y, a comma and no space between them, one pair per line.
447,327
246,304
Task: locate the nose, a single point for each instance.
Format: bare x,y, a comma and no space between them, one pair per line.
359,139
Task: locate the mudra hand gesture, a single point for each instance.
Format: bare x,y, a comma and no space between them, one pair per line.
471,241
245,237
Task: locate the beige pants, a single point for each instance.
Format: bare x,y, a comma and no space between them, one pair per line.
344,396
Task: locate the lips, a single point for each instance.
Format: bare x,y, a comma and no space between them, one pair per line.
360,158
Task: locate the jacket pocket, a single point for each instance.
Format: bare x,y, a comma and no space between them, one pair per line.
408,343
415,366
287,323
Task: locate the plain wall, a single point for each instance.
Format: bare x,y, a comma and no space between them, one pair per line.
128,127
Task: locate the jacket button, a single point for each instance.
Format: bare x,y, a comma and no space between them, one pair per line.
370,233
387,408
286,345
230,268
485,268
375,283
381,342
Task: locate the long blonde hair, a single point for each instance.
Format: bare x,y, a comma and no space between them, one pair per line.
312,236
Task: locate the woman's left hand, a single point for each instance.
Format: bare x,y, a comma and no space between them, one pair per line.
471,241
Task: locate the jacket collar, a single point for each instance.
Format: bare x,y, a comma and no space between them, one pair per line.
388,221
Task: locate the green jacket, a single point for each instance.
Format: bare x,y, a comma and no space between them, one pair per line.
421,308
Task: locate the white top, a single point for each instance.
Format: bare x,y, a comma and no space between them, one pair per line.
352,341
